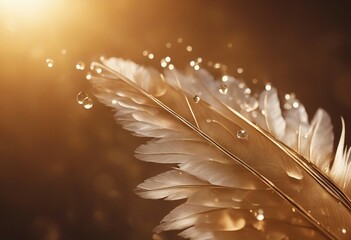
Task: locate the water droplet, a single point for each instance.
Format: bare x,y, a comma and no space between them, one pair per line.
81,96
343,231
145,53
293,209
189,48
268,86
260,215
240,70
168,45
223,89
88,103
208,120
295,104
151,56
163,63
168,59
180,40
249,105
209,63
247,91
196,99
242,85
170,66
114,101
102,58
242,134
287,96
192,63
229,45
225,78
88,76
98,70
254,81
80,66
199,60
196,67
49,62
217,65
305,136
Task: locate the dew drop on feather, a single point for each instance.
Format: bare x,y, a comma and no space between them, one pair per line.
81,96
196,99
49,62
88,103
242,134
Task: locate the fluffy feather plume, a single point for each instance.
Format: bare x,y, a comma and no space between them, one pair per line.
247,168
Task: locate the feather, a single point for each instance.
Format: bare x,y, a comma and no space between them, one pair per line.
246,167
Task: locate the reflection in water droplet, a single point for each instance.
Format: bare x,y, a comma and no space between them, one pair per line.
80,66
88,76
268,86
88,103
196,99
343,231
225,78
242,134
223,89
260,215
189,48
49,62
81,96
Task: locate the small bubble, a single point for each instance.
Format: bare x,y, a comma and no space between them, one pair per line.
260,215
170,66
225,78
145,53
180,40
223,89
88,76
192,63
229,45
287,96
242,134
240,70
189,48
168,45
199,60
49,62
196,67
151,56
343,231
80,65
268,86
241,85
114,101
196,99
81,96
168,59
88,103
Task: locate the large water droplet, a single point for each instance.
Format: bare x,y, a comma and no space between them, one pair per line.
196,99
223,89
242,134
49,62
88,103
80,65
260,215
81,96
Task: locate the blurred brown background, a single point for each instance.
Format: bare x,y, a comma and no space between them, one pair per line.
69,173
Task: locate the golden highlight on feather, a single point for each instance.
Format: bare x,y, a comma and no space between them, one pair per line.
246,167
